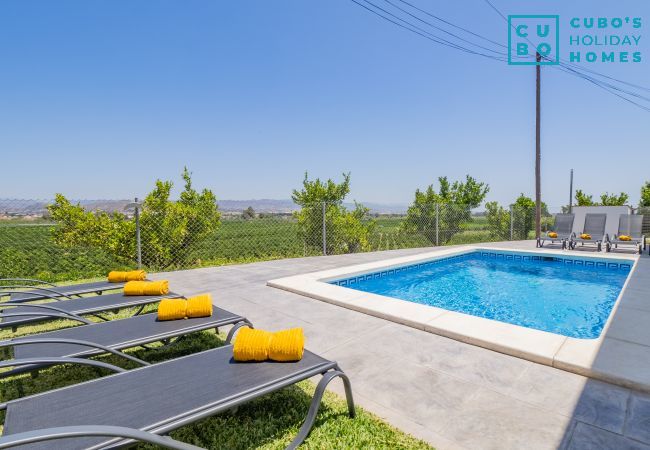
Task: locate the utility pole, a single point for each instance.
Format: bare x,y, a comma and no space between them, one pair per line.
571,191
538,184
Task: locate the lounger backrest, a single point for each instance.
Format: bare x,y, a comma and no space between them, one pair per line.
595,224
564,223
630,225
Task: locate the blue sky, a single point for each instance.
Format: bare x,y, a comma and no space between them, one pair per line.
100,98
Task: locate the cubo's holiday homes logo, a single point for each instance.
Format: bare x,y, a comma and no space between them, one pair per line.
590,39
531,34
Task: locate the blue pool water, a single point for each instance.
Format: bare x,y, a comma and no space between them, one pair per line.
568,296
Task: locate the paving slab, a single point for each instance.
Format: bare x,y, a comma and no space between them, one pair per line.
452,394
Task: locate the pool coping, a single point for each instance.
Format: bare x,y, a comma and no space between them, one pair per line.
542,347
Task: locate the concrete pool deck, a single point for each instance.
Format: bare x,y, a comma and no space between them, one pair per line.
568,353
449,393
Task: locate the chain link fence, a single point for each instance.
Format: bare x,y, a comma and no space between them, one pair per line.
88,242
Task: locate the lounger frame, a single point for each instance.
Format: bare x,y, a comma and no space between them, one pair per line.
51,434
37,288
629,225
563,227
56,310
33,364
329,370
592,227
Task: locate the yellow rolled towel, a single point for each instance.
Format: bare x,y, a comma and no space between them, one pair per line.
251,345
146,287
552,234
172,309
199,306
116,276
287,345
624,237
585,236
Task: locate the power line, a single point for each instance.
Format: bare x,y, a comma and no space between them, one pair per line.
421,32
453,25
442,29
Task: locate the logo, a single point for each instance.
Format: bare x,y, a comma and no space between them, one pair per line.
529,35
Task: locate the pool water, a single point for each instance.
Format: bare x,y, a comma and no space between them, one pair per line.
568,296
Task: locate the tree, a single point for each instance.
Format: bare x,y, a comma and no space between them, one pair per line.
170,230
583,199
346,231
607,199
521,216
249,213
645,194
440,215
498,221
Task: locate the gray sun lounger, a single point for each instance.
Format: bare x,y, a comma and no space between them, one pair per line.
563,227
595,226
23,314
40,290
162,397
95,339
628,225
53,434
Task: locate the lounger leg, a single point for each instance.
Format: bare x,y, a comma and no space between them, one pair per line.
137,313
315,404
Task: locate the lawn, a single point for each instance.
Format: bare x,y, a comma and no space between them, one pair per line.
269,422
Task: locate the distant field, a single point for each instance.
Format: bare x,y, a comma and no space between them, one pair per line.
27,248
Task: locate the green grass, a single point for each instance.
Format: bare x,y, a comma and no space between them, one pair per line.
269,422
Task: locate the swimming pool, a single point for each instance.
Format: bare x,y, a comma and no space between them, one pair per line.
563,295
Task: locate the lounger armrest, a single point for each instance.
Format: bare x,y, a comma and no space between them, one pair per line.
42,314
48,434
42,306
52,360
235,328
47,293
37,340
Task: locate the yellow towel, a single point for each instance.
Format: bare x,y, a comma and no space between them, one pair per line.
172,309
585,236
552,234
199,306
287,345
134,275
624,237
146,287
251,345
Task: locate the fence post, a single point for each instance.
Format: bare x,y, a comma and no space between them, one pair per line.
512,222
437,224
137,233
324,230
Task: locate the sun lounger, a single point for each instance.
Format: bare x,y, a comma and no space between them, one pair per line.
53,434
595,227
39,290
22,314
563,227
161,397
631,226
92,340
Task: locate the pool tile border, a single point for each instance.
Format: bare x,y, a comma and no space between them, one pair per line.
534,345
345,282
